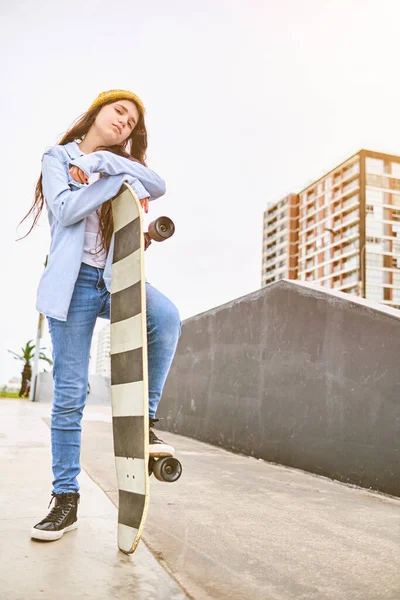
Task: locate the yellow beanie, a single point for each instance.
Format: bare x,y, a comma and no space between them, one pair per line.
113,95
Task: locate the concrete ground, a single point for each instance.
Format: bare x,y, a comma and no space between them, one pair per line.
85,563
231,528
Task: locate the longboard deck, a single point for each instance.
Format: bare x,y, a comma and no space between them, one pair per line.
129,376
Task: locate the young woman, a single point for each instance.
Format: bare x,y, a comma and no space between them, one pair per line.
79,178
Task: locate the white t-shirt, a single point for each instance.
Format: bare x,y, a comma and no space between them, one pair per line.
92,255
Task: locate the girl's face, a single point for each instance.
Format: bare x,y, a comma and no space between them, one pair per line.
116,121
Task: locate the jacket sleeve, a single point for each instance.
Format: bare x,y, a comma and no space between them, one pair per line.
109,163
71,206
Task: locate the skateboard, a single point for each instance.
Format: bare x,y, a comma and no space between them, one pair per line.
129,377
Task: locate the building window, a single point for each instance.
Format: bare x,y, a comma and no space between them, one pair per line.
396,184
374,165
377,181
374,260
374,226
374,197
374,292
396,169
374,276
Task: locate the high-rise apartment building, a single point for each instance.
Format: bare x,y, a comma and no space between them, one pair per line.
280,239
348,235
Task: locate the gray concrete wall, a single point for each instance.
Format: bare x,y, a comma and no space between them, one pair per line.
294,375
100,389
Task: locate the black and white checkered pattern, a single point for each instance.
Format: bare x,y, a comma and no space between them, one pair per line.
129,381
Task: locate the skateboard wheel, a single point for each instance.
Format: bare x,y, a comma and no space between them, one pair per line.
167,469
161,229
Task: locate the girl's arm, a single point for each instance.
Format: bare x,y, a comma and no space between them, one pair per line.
70,207
109,163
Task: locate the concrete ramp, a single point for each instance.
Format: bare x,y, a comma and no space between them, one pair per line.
236,528
295,375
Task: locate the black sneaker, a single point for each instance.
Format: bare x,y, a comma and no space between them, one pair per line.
61,518
156,446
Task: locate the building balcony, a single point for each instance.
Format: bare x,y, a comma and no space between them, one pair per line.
338,177
349,253
341,271
302,254
352,202
270,261
350,188
346,222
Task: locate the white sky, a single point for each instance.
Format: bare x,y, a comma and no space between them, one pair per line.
247,101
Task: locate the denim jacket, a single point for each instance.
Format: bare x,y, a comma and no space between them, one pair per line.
69,203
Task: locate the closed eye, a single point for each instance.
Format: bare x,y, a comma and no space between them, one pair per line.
120,113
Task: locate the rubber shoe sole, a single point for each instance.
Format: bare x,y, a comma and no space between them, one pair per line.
51,536
161,450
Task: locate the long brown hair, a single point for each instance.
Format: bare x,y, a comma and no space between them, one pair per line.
134,148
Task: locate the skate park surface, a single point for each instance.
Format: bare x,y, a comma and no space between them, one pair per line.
232,527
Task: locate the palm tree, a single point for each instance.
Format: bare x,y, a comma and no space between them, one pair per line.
27,354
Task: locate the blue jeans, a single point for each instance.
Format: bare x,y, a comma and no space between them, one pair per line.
71,341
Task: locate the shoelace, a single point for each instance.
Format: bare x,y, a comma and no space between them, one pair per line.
58,512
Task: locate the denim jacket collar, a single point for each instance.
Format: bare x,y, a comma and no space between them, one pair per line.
73,150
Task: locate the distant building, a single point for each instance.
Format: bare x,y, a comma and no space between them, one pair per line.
348,234
103,357
14,384
280,240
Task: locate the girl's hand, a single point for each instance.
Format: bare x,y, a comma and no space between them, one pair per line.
78,175
147,240
145,204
